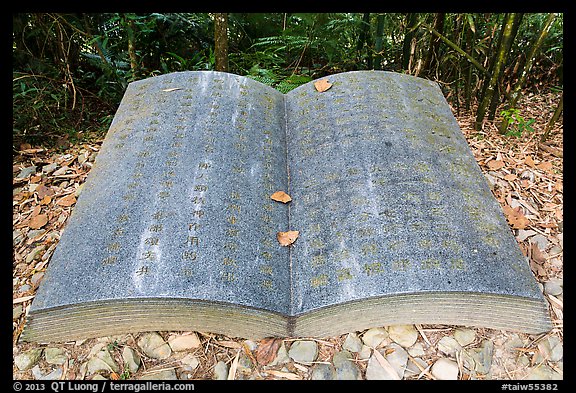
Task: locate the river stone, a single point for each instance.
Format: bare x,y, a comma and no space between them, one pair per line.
27,359
352,343
540,240
303,351
102,361
50,168
25,172
365,352
160,375
449,346
373,337
221,371
464,336
479,359
131,359
322,372
17,311
445,369
412,369
154,346
544,372
281,356
345,368
398,358
184,343
190,361
405,335
553,287
416,350
55,355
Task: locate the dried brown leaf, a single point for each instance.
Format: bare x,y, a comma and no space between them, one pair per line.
495,164
66,201
515,217
46,200
322,85
287,238
267,350
529,161
281,196
38,221
510,177
545,166
43,191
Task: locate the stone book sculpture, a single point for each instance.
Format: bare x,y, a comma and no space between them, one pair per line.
175,228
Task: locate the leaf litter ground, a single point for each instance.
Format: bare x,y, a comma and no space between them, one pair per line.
526,177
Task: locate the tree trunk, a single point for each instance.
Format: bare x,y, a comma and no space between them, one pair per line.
499,61
553,120
131,47
411,20
516,92
378,47
221,41
469,42
363,39
496,97
432,56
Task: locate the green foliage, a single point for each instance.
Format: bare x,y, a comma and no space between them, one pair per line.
516,123
71,70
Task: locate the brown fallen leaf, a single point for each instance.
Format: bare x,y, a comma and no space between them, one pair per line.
281,196
545,166
38,221
267,350
495,164
46,200
510,177
529,161
515,217
43,191
287,238
322,85
114,376
66,201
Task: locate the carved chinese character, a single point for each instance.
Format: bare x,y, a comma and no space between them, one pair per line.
189,255
156,228
200,187
143,270
149,255
113,246
110,260
373,268
319,280
343,274
192,240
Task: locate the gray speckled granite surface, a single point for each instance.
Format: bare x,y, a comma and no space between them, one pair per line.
386,195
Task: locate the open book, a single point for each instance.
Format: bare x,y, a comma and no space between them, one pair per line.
175,228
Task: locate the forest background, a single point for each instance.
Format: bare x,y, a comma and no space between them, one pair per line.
71,70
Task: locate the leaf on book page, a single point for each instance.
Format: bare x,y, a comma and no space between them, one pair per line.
38,221
287,238
281,196
322,85
172,89
267,350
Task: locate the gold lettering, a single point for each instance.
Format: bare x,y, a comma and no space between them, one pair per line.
110,260
113,246
319,281
344,274
189,255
